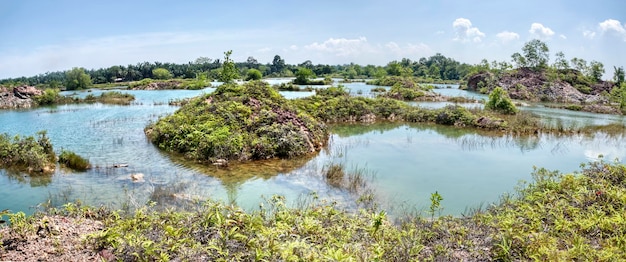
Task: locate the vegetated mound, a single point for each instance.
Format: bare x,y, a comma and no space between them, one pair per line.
563,86
18,97
239,122
407,89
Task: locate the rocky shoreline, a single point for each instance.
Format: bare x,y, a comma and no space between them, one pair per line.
18,97
535,86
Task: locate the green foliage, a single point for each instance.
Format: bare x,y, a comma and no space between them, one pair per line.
229,72
253,74
239,122
398,91
435,203
200,82
499,101
77,79
303,76
28,154
556,217
111,97
49,97
568,216
73,161
536,54
596,70
161,73
618,75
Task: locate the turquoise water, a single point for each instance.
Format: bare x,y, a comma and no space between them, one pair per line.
407,162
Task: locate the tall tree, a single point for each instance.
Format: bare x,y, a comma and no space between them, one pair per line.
560,62
618,75
536,54
77,79
596,70
278,64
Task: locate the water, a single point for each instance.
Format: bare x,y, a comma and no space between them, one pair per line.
466,167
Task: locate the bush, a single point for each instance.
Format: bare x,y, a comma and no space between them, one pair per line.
48,97
73,161
499,101
28,154
239,122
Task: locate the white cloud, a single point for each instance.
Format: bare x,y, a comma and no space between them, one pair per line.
589,34
612,25
465,32
342,46
540,31
507,36
563,36
293,47
440,32
420,49
264,50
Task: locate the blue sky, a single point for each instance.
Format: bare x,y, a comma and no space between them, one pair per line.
42,36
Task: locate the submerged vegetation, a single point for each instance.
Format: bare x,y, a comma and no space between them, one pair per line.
239,122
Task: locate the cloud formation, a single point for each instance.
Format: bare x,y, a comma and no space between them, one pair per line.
465,32
420,49
589,34
540,31
506,36
613,26
341,46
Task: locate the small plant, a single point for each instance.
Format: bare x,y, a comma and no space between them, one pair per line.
435,204
73,161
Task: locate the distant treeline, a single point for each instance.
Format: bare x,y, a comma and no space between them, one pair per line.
437,67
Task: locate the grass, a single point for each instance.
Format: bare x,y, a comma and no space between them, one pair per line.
556,217
73,161
30,154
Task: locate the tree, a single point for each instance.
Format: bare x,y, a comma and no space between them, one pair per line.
278,64
560,62
303,75
77,79
618,75
518,60
253,74
161,73
229,72
203,60
536,54
596,70
580,65
252,62
499,101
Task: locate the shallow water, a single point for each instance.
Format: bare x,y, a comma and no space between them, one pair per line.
408,161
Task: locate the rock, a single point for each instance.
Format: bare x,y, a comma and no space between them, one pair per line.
18,97
136,177
221,162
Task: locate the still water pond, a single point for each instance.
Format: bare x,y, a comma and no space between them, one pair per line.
406,162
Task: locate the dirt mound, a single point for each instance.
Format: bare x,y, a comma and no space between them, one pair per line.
530,85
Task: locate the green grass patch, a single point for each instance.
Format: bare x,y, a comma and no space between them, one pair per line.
73,161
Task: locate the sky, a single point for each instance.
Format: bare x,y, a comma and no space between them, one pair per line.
39,36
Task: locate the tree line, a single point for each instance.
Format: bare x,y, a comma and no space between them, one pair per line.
437,67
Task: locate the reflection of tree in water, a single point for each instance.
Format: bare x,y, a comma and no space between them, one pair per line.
35,180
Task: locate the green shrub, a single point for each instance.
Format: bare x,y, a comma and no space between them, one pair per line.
499,101
73,161
49,97
28,154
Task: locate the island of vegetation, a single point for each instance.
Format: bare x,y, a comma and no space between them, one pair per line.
555,217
